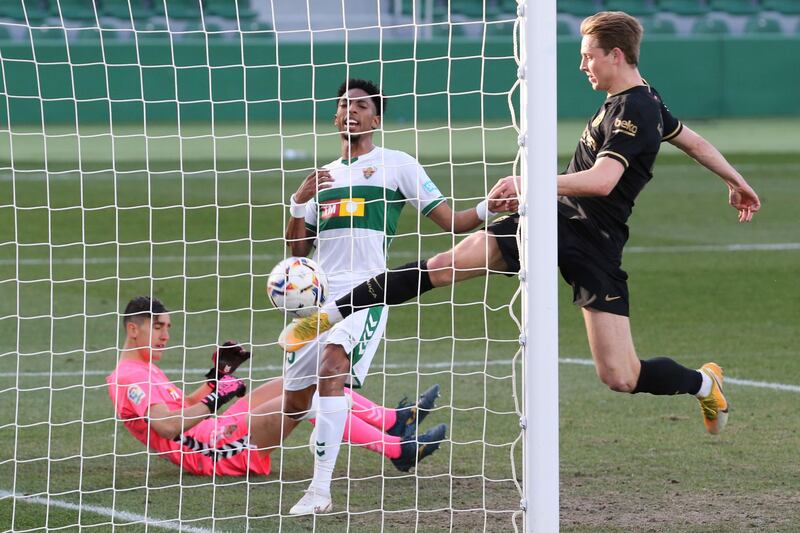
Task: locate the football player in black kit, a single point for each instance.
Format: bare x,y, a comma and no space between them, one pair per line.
611,165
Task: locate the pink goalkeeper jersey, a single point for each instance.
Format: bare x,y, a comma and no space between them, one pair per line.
134,386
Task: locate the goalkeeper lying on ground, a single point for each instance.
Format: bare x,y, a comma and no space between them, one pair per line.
183,430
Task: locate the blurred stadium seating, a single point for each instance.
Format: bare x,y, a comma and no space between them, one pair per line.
662,17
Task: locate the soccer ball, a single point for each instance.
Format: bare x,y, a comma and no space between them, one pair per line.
297,285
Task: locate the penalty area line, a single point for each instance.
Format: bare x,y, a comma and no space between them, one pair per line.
104,511
438,365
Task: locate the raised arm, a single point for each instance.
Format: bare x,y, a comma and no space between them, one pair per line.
299,238
740,196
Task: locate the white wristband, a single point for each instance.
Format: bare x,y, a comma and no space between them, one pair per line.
482,210
295,209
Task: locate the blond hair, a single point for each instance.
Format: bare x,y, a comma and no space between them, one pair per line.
615,29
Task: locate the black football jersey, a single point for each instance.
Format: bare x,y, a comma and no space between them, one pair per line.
628,127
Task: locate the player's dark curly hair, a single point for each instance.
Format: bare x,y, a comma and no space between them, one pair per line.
143,307
368,87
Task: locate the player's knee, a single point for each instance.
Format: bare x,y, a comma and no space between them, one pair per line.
296,403
617,381
440,269
335,366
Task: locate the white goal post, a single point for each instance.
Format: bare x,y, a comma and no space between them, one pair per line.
150,147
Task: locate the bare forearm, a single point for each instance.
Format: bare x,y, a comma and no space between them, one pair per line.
297,238
201,392
170,424
707,155
466,220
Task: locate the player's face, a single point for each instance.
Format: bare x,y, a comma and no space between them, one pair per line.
600,67
151,337
356,113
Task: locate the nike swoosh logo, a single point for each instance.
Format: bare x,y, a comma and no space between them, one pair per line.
612,298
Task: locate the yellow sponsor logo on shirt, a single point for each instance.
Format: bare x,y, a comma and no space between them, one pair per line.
346,207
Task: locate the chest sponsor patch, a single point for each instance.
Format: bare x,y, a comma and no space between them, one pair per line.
625,126
135,394
345,207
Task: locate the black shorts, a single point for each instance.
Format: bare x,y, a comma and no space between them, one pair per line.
504,230
597,282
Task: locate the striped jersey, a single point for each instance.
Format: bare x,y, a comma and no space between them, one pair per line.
357,217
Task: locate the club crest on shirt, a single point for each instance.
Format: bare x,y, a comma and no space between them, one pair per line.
135,394
368,172
599,118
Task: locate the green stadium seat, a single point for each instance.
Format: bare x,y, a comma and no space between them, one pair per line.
763,25
577,8
153,32
636,8
258,30
120,9
564,28
475,10
735,7
4,33
74,9
687,8
12,9
659,26
440,9
227,9
785,7
442,31
710,26
500,29
508,6
179,9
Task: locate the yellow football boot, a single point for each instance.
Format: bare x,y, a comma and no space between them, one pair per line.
301,331
714,406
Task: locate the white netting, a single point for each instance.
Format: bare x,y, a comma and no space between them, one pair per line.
151,148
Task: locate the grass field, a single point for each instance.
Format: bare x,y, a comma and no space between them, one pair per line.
73,251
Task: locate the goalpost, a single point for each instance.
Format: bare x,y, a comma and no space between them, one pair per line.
152,147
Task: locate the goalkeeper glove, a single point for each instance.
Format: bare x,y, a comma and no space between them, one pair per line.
224,389
227,359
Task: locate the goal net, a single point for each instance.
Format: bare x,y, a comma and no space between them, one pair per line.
151,148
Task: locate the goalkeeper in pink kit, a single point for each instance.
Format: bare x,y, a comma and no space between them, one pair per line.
183,430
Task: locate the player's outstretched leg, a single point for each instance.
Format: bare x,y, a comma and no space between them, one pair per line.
414,449
714,405
408,417
301,331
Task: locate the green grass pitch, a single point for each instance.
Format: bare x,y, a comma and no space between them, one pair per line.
205,240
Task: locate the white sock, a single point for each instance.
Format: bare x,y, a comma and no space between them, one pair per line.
334,315
705,388
331,419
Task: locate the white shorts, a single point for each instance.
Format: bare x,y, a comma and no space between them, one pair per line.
359,334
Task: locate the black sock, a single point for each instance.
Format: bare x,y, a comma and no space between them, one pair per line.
390,288
662,375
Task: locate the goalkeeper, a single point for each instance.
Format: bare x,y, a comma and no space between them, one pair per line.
184,431
611,165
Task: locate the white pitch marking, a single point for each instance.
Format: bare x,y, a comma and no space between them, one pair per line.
105,511
747,247
401,366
